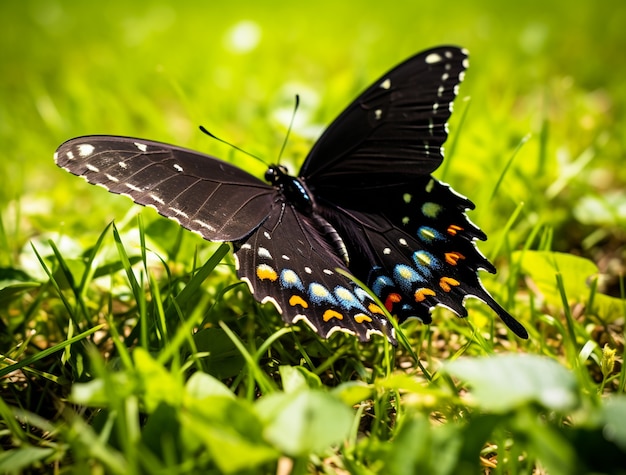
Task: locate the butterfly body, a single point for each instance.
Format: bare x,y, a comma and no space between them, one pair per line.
364,204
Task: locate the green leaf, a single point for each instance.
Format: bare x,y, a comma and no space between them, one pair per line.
542,266
94,393
229,429
202,385
159,385
411,451
161,433
577,274
295,378
353,392
304,422
505,382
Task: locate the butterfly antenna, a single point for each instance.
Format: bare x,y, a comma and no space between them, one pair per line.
293,116
213,136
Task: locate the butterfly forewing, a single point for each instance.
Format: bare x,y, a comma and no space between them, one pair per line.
392,133
206,195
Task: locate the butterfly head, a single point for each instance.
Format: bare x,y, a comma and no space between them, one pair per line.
276,174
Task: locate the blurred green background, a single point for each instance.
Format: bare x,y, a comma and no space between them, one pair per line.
157,70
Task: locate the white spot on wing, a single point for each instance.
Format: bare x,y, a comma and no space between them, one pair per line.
85,149
267,235
386,84
112,178
141,146
178,167
211,228
156,198
92,168
328,272
133,187
308,270
378,113
386,251
284,256
246,246
433,58
122,165
262,252
402,241
70,155
179,212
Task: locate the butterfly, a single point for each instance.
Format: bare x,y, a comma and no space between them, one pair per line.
364,204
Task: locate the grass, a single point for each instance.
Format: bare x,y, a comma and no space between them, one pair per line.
132,348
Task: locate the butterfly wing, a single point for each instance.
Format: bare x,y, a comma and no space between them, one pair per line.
407,234
203,194
289,262
392,133
420,253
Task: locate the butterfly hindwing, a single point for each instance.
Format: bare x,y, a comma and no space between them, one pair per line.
290,263
420,253
213,198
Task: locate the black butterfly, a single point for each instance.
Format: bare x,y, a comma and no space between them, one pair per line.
364,202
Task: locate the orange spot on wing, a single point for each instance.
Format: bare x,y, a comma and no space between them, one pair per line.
265,272
453,257
361,317
453,229
391,299
421,294
328,314
375,309
297,300
446,283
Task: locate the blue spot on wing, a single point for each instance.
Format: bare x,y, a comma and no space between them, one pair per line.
289,279
348,299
